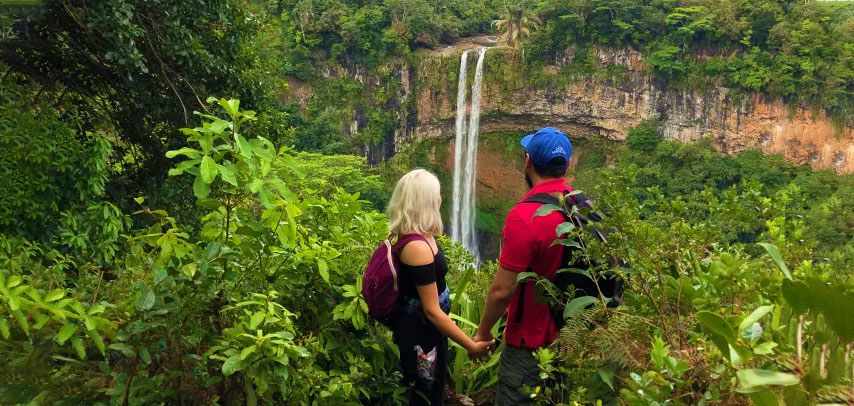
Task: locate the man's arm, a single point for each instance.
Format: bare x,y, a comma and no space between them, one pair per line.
497,299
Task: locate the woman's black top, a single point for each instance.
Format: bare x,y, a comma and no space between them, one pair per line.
412,276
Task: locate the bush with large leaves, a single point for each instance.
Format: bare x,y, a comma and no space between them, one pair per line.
236,310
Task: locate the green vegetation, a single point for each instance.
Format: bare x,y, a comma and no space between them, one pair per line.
159,246
800,51
160,311
713,310
517,22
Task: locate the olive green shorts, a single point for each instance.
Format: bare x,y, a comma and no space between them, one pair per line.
518,367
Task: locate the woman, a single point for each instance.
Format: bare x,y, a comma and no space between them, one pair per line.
422,330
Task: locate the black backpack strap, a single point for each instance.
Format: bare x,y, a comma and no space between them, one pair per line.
541,198
577,199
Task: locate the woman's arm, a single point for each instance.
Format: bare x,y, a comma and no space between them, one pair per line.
419,253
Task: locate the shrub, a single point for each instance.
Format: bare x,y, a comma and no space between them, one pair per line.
644,136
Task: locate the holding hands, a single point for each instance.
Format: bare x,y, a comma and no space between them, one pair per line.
480,349
482,346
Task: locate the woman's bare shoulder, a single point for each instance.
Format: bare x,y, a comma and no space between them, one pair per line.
417,253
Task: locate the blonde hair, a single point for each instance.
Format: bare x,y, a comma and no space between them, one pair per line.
414,205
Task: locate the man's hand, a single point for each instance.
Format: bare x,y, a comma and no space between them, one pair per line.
481,349
487,336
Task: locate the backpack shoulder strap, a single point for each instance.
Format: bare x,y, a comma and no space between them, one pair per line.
408,238
552,198
543,198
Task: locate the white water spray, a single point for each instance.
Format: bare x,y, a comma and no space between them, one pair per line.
465,157
459,140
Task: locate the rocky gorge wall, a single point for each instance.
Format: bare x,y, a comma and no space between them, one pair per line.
608,107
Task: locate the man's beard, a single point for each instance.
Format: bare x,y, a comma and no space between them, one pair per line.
528,181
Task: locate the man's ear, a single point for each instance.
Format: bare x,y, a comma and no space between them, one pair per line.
528,162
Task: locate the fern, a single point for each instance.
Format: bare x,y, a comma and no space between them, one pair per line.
600,335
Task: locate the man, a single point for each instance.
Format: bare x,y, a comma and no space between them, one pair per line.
527,246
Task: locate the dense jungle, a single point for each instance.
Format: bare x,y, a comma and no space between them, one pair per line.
190,192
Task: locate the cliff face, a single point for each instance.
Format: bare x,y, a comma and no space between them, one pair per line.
599,107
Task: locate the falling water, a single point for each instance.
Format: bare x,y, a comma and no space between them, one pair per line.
465,157
459,139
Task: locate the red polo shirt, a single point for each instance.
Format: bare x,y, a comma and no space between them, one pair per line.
526,243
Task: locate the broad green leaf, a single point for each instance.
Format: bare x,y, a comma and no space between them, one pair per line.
751,379
794,395
576,271
78,346
54,295
22,321
797,295
230,365
189,270
778,259
189,152
765,348
201,189
564,228
244,146
256,320
740,354
65,332
754,317
184,166
764,398
41,320
146,299
125,349
722,344
145,355
99,342
323,268
227,173
717,324
205,141
545,210
4,328
251,396
217,126
463,320
266,195
578,304
566,242
247,352
835,305
208,169
607,376
523,276
231,106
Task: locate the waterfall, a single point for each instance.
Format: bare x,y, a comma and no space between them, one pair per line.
459,138
465,157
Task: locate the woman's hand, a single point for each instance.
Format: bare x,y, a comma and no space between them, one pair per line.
480,349
483,336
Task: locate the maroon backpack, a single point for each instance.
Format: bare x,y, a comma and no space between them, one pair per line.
379,285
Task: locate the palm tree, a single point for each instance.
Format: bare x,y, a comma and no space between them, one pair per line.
517,22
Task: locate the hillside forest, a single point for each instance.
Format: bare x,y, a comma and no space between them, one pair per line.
190,192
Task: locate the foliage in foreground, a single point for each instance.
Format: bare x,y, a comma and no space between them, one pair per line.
257,303
710,317
251,306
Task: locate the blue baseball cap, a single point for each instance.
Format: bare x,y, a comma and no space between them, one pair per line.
546,144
